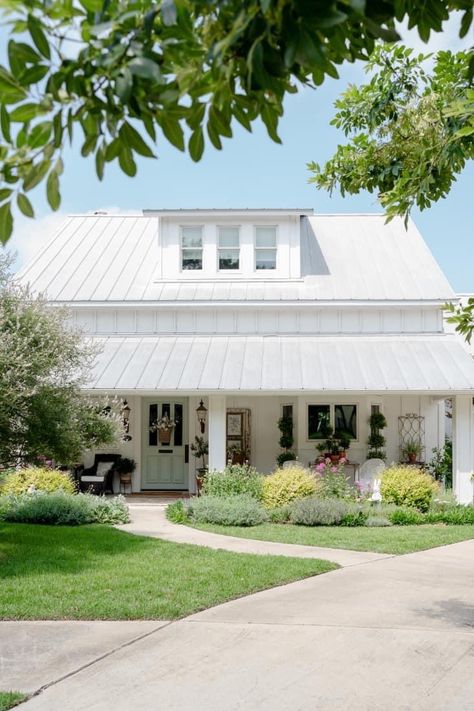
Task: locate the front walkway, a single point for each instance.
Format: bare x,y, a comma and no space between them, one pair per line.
151,521
393,635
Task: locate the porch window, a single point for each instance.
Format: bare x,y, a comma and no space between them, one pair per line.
318,416
342,418
191,248
265,247
229,248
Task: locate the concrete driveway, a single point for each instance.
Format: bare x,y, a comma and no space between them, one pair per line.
396,633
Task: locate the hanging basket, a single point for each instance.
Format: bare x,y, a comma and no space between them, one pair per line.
164,435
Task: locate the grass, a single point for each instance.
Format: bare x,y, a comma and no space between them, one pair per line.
393,539
98,572
9,699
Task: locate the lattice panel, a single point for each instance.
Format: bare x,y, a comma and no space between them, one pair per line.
411,428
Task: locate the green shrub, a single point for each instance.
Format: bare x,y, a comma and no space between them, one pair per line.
452,515
405,516
63,509
279,515
177,512
239,510
236,479
377,521
318,512
407,486
39,478
287,485
356,515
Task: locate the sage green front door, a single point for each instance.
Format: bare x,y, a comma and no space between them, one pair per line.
163,462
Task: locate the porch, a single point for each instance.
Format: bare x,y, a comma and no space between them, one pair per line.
249,424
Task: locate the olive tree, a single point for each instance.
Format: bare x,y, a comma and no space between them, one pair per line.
43,364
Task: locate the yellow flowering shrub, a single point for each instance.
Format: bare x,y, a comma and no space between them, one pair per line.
286,485
407,486
40,478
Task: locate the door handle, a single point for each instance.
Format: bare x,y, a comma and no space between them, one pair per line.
186,453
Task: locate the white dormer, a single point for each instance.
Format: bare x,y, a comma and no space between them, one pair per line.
229,244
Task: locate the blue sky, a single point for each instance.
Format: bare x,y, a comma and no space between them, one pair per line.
252,171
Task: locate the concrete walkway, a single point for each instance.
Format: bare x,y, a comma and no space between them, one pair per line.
152,521
396,634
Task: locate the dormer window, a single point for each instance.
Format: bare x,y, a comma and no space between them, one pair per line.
191,248
229,248
265,247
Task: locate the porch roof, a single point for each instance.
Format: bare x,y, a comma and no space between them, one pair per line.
272,364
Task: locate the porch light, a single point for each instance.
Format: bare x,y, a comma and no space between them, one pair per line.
201,413
125,415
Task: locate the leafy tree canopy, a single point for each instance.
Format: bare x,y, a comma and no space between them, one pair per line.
411,131
122,72
463,318
43,363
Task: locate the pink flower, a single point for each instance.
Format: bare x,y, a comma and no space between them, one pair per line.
321,466
334,470
342,460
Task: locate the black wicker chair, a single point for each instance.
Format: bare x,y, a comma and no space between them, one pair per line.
90,480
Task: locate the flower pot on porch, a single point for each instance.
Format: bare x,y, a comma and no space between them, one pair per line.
238,458
412,458
164,435
200,476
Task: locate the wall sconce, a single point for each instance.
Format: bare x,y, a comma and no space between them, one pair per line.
201,413
125,415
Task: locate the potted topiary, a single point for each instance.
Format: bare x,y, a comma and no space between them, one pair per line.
376,440
285,425
344,443
200,450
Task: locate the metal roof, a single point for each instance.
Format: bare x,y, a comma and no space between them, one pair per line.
114,258
275,364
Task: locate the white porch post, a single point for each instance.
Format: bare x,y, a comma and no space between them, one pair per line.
217,425
463,454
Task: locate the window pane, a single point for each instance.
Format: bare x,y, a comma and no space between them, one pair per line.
228,259
265,237
152,418
265,259
318,417
229,237
191,237
178,430
345,420
192,259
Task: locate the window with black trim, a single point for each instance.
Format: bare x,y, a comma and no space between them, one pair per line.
342,419
319,417
191,248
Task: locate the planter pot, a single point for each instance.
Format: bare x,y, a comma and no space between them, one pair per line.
334,458
165,435
238,458
200,476
412,458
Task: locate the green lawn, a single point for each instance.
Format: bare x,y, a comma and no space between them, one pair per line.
98,572
393,539
9,699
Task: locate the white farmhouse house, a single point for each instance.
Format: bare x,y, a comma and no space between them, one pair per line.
258,313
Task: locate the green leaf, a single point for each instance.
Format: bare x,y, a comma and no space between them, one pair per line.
5,123
196,144
36,175
173,131
58,129
6,223
100,162
5,193
113,150
11,91
124,85
40,134
38,36
145,68
92,5
214,136
52,190
133,139
34,74
25,205
25,112
126,162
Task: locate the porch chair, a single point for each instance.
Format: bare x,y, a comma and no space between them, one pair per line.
369,476
99,478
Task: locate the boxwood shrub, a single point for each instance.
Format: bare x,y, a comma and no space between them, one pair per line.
287,485
407,486
38,478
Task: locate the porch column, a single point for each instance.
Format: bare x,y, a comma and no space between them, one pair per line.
217,426
463,450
